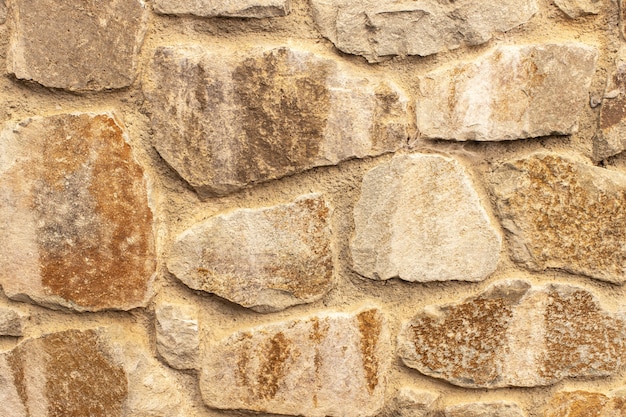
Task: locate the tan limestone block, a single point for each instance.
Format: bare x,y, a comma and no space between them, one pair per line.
413,402
584,403
226,8
494,409
611,137
177,336
577,8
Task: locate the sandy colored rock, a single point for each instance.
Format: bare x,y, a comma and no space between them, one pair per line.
515,334
266,259
563,214
611,136
75,223
412,402
577,8
494,409
11,322
584,403
377,29
420,219
225,121
511,92
326,364
227,8
177,334
89,48
3,11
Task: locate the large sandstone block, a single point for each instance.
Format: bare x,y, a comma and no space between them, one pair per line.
377,29
225,121
584,403
328,364
420,219
226,8
515,334
563,214
266,259
512,92
90,47
75,224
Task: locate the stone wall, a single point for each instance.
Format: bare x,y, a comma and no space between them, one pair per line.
312,207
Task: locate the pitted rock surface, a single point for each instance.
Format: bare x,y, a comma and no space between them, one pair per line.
512,92
90,47
266,259
377,29
420,219
563,214
11,322
74,216
412,402
224,122
227,8
325,364
514,334
584,403
494,409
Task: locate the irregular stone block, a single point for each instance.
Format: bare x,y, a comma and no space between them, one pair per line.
377,29
328,364
11,322
227,121
611,137
512,92
515,335
583,403
420,219
494,409
177,335
577,8
75,222
563,214
226,8
411,402
266,259
88,48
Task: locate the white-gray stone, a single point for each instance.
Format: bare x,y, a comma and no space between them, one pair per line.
512,92
177,334
420,219
226,8
412,402
377,29
577,8
493,409
11,322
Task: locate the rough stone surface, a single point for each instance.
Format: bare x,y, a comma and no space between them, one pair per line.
92,47
494,409
420,219
584,403
227,8
611,137
377,29
75,225
177,334
3,11
515,335
512,92
577,8
321,365
266,259
11,322
412,402
563,214
226,121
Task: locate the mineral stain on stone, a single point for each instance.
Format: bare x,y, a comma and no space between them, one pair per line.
370,328
273,366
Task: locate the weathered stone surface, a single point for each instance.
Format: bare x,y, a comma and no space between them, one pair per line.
11,322
577,8
494,409
3,12
411,402
420,219
611,137
377,29
75,225
563,214
92,47
512,92
177,334
583,403
515,335
227,8
226,121
327,364
266,259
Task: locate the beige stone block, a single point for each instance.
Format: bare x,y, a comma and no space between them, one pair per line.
585,403
493,409
610,139
413,402
577,8
11,322
225,8
177,335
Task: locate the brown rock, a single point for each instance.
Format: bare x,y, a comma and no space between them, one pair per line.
227,8
586,404
515,335
563,214
323,365
266,259
494,409
228,121
74,216
92,47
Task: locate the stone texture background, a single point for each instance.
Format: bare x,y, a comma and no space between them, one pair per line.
312,207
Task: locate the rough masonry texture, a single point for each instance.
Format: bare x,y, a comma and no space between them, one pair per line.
90,46
565,214
321,365
585,403
11,322
75,224
406,229
378,29
227,8
266,259
515,334
511,92
177,335
227,121
611,138
577,8
495,409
